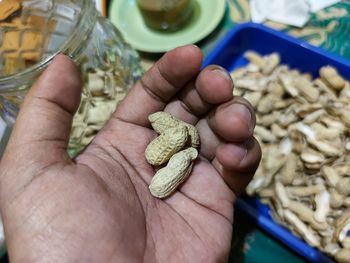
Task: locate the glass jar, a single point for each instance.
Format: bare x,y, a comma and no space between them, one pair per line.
36,31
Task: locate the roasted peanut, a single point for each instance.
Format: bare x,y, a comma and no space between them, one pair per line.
305,123
322,200
299,191
289,169
161,149
330,76
343,186
162,121
337,199
170,146
302,228
167,179
342,255
255,58
271,62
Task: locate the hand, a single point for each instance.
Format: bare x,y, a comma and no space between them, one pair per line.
97,207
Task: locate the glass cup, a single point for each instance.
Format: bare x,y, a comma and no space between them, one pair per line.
166,15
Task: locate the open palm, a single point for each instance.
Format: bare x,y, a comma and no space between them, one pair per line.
97,207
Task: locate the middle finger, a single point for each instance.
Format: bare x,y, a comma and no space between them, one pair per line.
231,122
212,86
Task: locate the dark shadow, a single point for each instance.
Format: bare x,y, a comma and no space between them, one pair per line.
248,237
242,227
4,259
150,56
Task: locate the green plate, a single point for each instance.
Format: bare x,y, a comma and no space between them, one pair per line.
125,15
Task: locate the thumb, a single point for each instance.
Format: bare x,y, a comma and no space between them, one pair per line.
43,124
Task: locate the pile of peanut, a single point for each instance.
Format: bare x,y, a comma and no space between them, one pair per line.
303,128
176,145
102,91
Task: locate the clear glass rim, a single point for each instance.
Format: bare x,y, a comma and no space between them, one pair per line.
86,11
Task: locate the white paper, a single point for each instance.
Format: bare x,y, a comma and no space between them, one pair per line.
295,13
290,12
316,5
257,14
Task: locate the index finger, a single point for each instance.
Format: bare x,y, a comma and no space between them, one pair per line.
156,88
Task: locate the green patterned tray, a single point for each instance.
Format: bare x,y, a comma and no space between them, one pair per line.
329,28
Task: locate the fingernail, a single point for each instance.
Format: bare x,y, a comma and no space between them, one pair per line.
223,73
244,113
240,152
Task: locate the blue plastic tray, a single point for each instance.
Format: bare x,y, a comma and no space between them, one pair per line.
297,54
